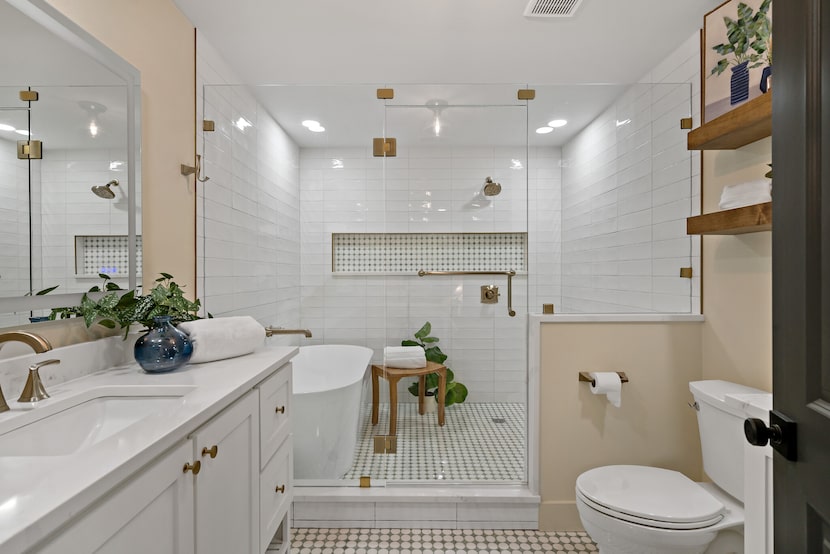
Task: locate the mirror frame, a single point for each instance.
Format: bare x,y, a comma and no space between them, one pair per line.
53,20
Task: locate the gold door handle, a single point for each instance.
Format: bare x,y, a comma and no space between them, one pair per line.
195,467
280,409
212,451
281,489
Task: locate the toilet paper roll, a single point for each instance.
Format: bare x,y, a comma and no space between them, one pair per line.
609,384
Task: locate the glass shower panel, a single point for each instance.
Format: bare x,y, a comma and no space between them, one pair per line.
15,278
454,257
615,186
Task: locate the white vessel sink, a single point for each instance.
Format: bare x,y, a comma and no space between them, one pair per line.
71,425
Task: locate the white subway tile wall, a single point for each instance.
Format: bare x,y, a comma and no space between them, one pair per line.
14,228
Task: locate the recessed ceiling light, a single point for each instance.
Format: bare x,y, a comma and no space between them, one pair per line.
23,132
558,123
4,127
544,130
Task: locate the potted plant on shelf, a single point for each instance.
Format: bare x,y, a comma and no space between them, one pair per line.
163,347
456,392
747,44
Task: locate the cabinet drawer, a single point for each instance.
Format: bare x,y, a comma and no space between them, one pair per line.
274,412
274,504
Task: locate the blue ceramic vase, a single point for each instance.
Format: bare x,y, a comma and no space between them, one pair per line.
163,348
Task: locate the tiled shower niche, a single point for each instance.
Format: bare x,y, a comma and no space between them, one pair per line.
408,253
105,254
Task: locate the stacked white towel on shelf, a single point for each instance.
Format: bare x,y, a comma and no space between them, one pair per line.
404,357
745,194
223,337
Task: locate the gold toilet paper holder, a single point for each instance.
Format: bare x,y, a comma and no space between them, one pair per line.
586,377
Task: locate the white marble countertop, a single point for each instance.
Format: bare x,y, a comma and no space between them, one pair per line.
40,493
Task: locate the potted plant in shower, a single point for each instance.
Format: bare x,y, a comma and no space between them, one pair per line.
456,393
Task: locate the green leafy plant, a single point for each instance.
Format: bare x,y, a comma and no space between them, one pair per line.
115,309
456,392
748,38
66,312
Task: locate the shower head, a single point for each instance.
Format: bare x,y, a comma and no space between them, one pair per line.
104,191
491,188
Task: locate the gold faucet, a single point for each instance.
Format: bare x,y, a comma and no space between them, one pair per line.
271,331
36,342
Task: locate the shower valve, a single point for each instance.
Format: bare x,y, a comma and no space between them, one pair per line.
489,294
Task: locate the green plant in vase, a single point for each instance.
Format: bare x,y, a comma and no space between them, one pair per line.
748,38
456,392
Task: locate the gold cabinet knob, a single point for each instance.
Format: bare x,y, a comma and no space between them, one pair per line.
280,409
212,451
281,489
195,467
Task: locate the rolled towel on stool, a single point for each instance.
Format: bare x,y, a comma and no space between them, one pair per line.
404,357
223,337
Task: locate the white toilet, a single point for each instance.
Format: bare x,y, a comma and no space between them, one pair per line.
648,510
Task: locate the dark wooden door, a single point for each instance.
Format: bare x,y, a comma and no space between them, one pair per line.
801,270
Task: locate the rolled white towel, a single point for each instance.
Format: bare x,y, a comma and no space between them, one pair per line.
404,357
223,337
745,194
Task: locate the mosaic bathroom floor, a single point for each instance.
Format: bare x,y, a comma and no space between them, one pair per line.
435,541
479,442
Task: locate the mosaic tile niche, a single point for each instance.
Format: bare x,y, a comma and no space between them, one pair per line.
105,254
407,253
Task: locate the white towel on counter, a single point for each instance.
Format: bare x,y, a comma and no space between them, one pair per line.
223,337
404,357
745,194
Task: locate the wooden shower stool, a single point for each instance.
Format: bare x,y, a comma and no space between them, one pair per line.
393,375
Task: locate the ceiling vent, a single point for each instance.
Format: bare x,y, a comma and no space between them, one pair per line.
552,8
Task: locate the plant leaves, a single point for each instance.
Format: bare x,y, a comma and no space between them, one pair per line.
430,339
410,343
46,291
423,331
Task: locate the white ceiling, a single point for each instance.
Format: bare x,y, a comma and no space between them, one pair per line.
394,43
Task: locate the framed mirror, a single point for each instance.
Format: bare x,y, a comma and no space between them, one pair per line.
69,163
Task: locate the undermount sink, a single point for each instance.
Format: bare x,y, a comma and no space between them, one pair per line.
69,426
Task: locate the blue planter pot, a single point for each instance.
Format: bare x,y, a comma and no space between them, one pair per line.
163,348
739,83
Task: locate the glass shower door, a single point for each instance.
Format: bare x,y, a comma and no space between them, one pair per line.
454,245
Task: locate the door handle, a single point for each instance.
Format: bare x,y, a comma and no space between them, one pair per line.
781,434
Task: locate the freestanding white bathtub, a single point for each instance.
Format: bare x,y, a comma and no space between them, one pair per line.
328,383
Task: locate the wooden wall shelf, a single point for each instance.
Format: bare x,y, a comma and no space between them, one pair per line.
749,219
745,124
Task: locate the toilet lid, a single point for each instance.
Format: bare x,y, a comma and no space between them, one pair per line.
666,498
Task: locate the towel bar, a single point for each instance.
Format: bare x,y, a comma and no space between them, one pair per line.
586,376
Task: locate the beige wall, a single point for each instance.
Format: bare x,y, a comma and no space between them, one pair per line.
578,431
737,279
156,38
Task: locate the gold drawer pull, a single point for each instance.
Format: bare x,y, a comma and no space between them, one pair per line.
213,451
280,409
195,467
281,489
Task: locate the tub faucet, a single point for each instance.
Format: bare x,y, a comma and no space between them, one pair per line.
271,331
38,344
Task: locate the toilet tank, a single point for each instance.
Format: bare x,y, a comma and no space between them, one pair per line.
721,427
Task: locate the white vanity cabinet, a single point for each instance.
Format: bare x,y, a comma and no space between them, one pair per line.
226,487
151,512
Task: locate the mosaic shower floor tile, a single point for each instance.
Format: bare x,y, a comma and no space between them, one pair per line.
482,441
435,541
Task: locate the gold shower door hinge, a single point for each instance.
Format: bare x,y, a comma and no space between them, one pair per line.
526,94
686,123
29,150
28,95
686,272
384,147
208,125
386,444
386,93
365,482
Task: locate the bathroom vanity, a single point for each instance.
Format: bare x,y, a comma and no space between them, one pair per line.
197,460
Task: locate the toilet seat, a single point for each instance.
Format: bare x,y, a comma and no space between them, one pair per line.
649,496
